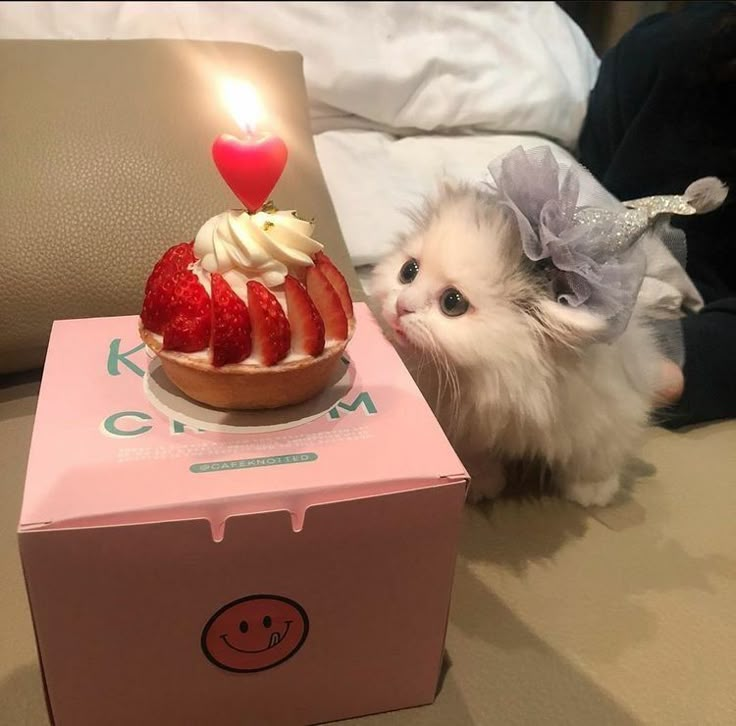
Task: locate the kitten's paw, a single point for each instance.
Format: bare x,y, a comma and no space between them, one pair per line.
487,485
593,494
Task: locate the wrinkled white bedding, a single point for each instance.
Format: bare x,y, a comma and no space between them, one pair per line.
377,177
399,92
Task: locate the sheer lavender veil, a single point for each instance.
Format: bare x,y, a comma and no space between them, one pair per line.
594,250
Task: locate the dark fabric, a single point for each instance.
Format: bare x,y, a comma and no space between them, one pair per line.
660,116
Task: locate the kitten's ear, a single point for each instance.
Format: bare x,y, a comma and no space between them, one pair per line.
569,325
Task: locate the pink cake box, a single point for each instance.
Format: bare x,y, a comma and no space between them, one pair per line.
272,576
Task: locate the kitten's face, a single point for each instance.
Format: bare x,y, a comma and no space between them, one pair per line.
458,284
461,286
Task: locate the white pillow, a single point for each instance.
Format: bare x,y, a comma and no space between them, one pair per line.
522,67
373,178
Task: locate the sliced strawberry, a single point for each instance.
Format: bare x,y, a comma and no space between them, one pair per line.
230,324
159,286
186,334
188,314
328,303
175,259
336,279
271,333
156,302
307,328
179,257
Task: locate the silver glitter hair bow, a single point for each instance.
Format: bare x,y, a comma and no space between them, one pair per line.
582,237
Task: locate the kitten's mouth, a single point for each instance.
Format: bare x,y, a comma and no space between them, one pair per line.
400,335
398,331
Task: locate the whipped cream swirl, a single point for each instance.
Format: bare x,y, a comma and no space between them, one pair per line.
263,246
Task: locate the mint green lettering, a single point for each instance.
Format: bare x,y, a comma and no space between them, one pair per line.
210,466
115,357
362,399
111,424
177,427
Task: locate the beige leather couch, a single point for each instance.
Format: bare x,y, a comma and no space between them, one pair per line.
559,616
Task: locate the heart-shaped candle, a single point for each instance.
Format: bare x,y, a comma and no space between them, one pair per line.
251,165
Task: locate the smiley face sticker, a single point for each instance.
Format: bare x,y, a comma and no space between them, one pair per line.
255,633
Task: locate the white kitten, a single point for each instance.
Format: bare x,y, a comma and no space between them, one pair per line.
513,375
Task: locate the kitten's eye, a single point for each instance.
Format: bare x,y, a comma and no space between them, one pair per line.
453,303
409,271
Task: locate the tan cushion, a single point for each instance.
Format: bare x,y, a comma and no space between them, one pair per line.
105,157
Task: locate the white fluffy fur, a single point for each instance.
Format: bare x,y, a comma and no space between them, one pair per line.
518,377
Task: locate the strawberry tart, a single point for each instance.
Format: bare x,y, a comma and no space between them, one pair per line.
251,314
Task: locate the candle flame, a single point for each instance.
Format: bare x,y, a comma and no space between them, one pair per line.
242,101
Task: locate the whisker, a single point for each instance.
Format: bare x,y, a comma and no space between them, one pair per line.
440,380
453,391
429,347
447,385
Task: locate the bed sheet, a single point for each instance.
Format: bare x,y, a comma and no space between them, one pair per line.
375,178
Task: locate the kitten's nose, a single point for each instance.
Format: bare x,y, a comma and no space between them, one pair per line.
402,308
